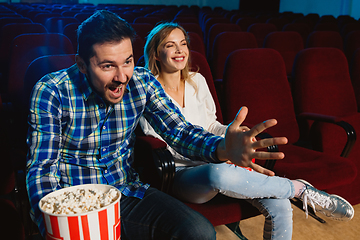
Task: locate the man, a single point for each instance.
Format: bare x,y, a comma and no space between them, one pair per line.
82,121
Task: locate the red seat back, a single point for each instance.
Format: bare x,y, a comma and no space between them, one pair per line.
211,21
287,43
279,22
326,27
245,22
351,43
57,24
142,29
261,30
325,39
193,27
70,30
214,31
224,44
256,78
152,20
302,28
349,27
322,83
355,75
41,66
199,61
186,19
8,33
82,16
9,20
42,17
25,48
196,43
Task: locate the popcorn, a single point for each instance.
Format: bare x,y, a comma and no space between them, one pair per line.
78,201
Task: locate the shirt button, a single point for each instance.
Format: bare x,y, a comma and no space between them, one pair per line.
101,105
106,171
104,127
104,149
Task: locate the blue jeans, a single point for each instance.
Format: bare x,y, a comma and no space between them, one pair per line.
268,194
159,216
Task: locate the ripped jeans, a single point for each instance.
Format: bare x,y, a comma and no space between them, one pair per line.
270,195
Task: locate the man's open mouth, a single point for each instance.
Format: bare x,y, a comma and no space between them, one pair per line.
115,89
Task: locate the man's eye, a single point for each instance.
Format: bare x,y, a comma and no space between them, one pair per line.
128,61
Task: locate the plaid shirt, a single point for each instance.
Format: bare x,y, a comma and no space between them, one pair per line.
75,139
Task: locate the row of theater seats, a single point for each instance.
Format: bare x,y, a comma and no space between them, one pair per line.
206,26
251,75
209,24
318,113
288,43
288,40
318,107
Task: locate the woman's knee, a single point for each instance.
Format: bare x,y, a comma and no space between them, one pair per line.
222,174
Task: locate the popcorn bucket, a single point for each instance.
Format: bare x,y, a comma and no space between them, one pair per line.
101,224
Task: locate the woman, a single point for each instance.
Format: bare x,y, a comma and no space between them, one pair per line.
167,57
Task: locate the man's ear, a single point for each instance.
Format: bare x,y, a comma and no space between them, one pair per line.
81,64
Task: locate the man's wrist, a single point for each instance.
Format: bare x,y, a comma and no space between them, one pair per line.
221,151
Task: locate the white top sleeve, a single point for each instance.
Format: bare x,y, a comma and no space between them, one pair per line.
199,110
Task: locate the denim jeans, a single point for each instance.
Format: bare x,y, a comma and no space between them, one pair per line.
268,194
159,216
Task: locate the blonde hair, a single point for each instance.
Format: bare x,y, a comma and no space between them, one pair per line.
154,41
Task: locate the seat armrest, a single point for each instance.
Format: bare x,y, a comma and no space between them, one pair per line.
319,117
154,162
348,128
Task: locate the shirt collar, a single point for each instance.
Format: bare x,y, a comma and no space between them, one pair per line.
85,87
82,83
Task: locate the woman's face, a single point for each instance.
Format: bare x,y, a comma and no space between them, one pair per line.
174,52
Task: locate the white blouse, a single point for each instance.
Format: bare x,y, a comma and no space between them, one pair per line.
199,110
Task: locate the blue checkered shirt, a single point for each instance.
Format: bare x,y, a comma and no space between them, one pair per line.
75,139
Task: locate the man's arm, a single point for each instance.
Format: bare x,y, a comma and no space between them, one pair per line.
240,146
44,141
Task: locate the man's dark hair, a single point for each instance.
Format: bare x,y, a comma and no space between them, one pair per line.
103,26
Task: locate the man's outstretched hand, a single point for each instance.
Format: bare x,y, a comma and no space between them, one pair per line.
240,145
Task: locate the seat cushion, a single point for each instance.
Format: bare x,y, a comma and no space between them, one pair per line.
315,167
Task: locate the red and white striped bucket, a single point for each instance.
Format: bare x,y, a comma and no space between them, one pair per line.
100,224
